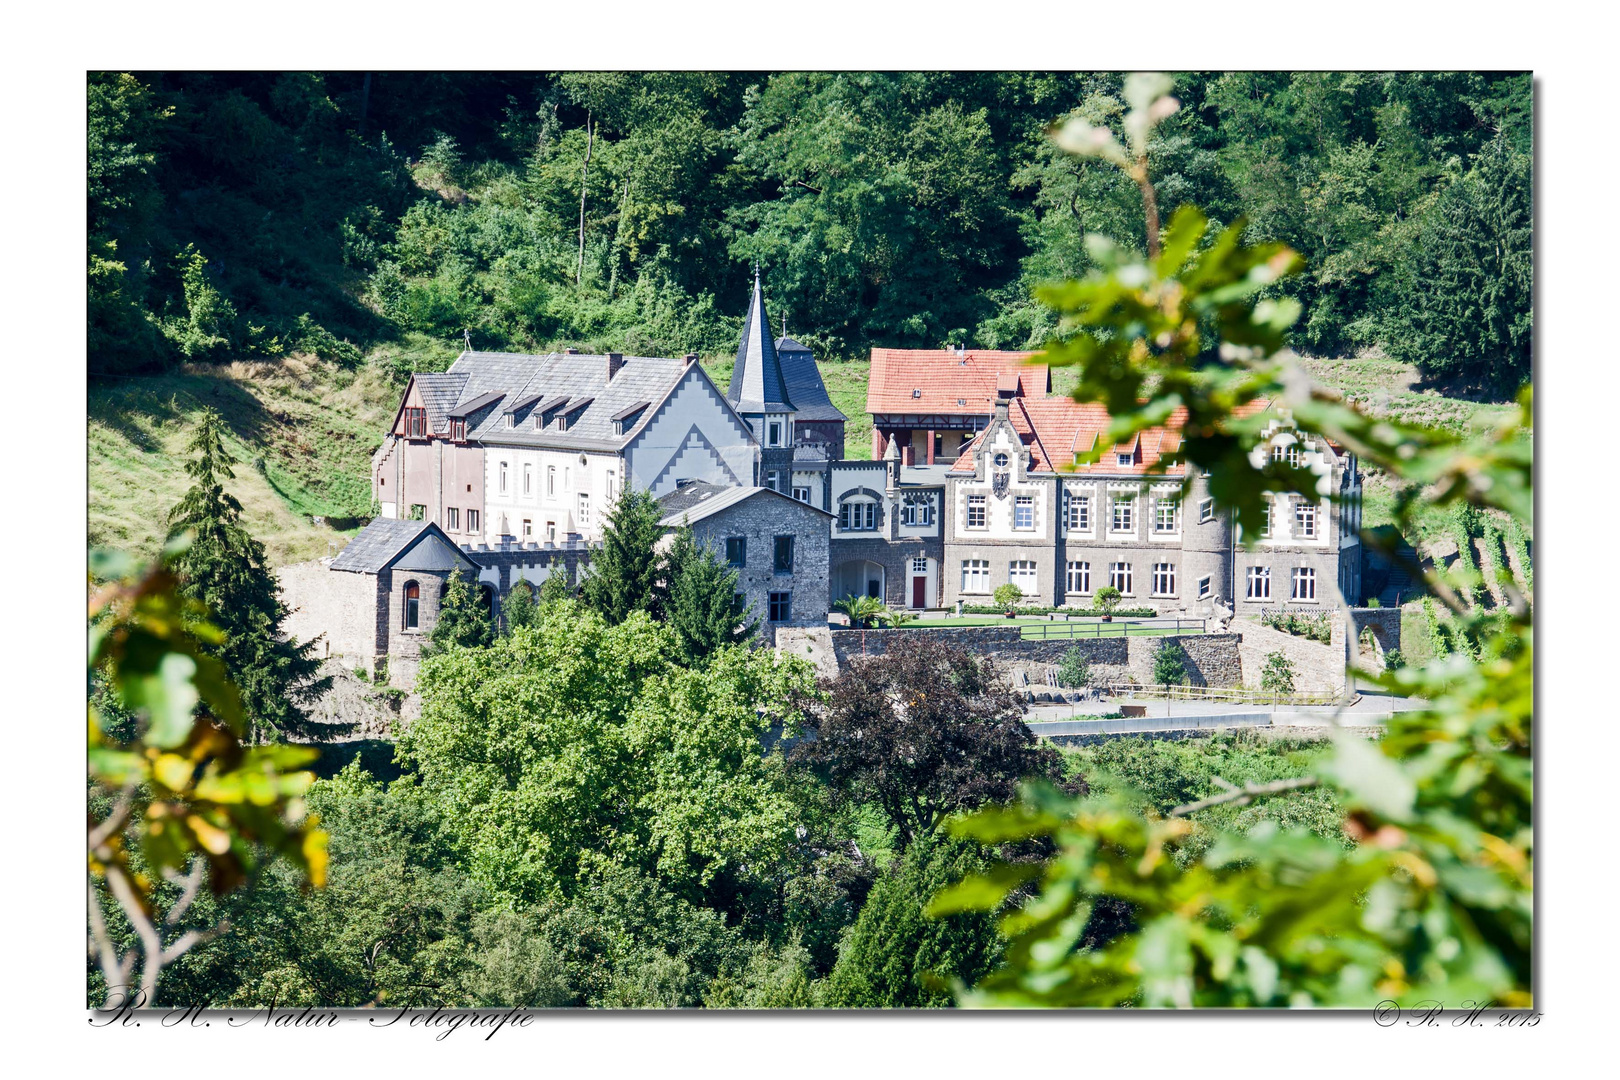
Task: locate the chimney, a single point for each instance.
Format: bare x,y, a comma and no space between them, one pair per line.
690,358
1001,408
570,351
615,361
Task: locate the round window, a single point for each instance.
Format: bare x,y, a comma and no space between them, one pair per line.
1001,461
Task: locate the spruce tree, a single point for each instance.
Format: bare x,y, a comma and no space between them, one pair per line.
556,587
522,607
627,571
1465,305
702,609
463,617
225,568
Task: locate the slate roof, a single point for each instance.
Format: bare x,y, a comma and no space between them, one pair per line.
804,383
381,542
946,377
700,499
472,405
440,391
757,384
575,381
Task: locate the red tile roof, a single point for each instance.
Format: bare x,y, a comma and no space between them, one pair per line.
945,377
1055,429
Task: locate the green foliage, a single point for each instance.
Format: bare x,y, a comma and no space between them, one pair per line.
555,588
521,608
1466,281
171,784
628,573
1077,612
895,955
702,610
577,738
1277,676
1169,663
862,610
225,569
1312,625
465,618
1434,897
1521,548
1074,670
1007,596
1105,599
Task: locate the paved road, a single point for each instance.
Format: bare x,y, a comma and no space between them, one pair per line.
1082,718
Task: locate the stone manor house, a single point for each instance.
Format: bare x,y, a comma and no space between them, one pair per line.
506,465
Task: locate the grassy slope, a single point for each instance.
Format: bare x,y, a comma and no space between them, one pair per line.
313,426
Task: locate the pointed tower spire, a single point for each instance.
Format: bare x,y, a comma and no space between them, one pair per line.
757,385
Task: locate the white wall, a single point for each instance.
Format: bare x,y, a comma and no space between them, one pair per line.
600,479
667,449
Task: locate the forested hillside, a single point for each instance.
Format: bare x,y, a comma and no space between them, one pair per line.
256,214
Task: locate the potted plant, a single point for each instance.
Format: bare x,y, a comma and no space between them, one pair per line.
1106,600
1008,596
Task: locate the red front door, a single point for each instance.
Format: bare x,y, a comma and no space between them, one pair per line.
919,591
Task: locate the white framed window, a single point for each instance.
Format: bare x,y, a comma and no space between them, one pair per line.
1119,576
975,575
1077,577
528,528
1023,511
977,511
551,480
551,532
1165,514
919,565
1206,510
472,521
1304,517
452,517
1076,511
1002,460
1258,579
1304,583
1204,587
1126,459
1286,452
1021,572
1164,579
503,478
1124,513
857,515
584,511
775,429
802,494
773,480
917,508
528,478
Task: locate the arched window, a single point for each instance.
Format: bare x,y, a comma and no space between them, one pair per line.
413,605
857,514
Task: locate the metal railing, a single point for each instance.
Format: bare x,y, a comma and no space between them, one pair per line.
1229,695
1120,628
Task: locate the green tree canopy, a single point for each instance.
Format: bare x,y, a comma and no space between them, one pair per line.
702,607
628,572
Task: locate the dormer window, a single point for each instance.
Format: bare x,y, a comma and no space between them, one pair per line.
458,430
774,436
1125,459
916,393
511,420
416,423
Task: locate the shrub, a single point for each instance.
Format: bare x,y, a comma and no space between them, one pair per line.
1007,595
1278,674
1075,669
1169,663
1314,626
1106,599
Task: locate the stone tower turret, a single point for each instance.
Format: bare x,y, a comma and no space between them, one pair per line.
758,392
1206,549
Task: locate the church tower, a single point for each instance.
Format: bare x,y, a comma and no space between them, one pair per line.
758,392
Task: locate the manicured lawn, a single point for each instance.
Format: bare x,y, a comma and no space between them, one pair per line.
1037,629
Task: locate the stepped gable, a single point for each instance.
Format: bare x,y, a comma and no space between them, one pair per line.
804,384
916,381
1055,429
757,383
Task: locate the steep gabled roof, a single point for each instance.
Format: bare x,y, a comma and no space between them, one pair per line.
804,383
386,540
950,382
757,384
1056,429
440,390
699,499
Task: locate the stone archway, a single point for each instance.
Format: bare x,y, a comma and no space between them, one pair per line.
858,577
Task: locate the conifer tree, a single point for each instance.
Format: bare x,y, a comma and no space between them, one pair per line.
556,587
702,605
627,571
225,568
522,607
463,617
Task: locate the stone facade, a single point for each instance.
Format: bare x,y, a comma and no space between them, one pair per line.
1212,659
